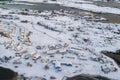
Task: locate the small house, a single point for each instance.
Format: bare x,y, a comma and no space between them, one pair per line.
57,65
36,57
33,53
49,52
58,46
23,51
66,63
66,45
45,60
19,48
70,28
52,47
63,50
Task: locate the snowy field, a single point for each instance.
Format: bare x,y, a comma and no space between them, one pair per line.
54,44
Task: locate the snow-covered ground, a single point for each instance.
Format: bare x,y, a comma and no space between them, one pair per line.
80,4
57,43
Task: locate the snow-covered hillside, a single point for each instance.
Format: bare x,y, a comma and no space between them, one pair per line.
57,43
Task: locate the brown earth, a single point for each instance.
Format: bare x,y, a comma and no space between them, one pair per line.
111,18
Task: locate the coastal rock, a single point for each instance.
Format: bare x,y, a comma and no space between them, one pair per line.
7,74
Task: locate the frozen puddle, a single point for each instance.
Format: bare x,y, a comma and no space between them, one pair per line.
54,44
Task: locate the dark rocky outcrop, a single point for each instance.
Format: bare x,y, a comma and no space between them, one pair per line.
7,74
114,55
87,77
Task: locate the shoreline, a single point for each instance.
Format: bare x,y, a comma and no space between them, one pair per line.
110,18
